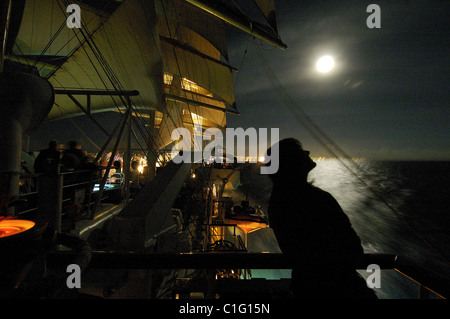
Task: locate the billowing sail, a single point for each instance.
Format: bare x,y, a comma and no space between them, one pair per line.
44,38
205,73
173,52
184,14
198,85
267,8
117,56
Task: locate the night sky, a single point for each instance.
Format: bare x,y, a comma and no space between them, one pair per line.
387,98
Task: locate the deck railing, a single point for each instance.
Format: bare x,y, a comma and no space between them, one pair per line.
54,193
429,283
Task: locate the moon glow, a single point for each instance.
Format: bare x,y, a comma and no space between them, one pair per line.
325,64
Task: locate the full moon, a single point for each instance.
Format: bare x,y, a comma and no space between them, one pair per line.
325,64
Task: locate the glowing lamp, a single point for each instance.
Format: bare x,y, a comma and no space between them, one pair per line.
10,227
248,226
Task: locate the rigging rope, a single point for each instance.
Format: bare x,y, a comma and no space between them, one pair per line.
242,63
84,134
49,44
177,62
64,13
115,82
156,41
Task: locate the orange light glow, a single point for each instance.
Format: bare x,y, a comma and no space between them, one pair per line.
247,225
10,227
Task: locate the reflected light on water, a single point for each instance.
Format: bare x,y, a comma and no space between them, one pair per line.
373,221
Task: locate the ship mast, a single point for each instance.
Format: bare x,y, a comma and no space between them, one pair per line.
7,179
5,15
25,99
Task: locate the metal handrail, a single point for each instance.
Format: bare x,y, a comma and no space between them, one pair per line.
62,175
425,278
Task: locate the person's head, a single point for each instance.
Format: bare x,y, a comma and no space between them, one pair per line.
52,144
134,165
71,161
294,161
73,144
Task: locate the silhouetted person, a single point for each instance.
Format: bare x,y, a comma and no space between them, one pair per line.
74,157
117,166
48,159
313,231
135,186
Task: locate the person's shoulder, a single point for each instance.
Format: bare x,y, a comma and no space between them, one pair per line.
319,192
81,152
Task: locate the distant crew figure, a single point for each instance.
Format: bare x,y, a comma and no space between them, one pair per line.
48,159
74,157
135,186
118,166
313,231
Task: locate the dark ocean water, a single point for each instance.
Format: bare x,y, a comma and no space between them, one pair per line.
395,207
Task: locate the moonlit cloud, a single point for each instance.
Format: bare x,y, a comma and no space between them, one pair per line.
351,84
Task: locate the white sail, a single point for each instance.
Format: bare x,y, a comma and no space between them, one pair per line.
172,52
198,85
132,57
267,8
184,14
43,30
